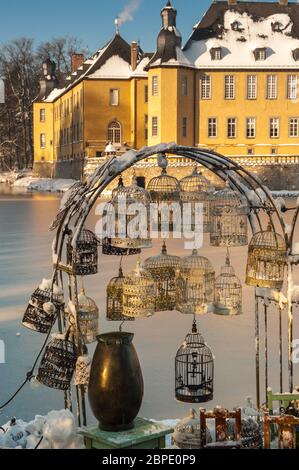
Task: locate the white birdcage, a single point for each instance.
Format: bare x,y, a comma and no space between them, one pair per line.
139,293
229,218
195,284
88,318
228,291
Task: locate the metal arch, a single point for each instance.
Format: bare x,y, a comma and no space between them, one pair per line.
227,170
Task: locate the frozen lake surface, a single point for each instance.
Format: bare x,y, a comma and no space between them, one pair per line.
25,258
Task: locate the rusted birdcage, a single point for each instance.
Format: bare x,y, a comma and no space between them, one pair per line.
228,291
229,218
163,270
267,258
195,285
109,250
58,363
84,256
44,308
88,318
195,190
115,292
194,370
165,190
125,204
139,293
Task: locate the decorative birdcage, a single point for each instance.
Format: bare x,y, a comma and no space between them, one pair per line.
88,318
165,190
188,433
109,250
229,219
228,291
194,370
195,190
115,292
125,204
267,258
44,308
163,269
195,284
82,372
58,363
139,293
84,256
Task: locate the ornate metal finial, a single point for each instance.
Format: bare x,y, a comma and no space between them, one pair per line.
120,182
194,326
269,227
164,248
227,261
117,25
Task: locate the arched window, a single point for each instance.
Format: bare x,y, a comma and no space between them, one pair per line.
114,132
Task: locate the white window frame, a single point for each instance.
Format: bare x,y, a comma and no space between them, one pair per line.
155,126
293,127
251,87
272,87
114,97
274,128
206,87
231,130
212,127
43,140
292,87
229,87
115,133
250,128
42,115
155,85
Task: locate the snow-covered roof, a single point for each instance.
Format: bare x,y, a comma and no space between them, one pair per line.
242,28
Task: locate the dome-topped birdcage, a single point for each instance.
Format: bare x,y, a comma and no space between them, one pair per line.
58,364
228,291
163,270
267,258
195,284
120,216
165,190
83,257
196,189
139,293
44,307
229,218
115,292
88,318
194,370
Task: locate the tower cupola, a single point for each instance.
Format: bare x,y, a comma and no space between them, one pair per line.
168,16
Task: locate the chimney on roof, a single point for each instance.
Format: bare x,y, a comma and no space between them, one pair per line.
134,55
77,61
283,2
232,2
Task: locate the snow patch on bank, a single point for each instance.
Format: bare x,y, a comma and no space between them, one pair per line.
44,185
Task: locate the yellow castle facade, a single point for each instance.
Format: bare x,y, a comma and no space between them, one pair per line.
232,88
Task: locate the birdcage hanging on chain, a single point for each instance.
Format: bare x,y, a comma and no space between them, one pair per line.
228,291
197,190
194,370
88,318
163,269
229,219
82,371
165,190
195,285
126,232
45,305
115,292
267,258
58,364
82,255
139,293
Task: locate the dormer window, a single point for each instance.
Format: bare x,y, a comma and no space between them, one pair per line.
260,53
295,53
237,26
216,53
277,27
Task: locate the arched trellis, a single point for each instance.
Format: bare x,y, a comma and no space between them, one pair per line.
83,196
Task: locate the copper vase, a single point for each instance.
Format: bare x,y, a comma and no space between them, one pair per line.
116,383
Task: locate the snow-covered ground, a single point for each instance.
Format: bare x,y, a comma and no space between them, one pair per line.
44,185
